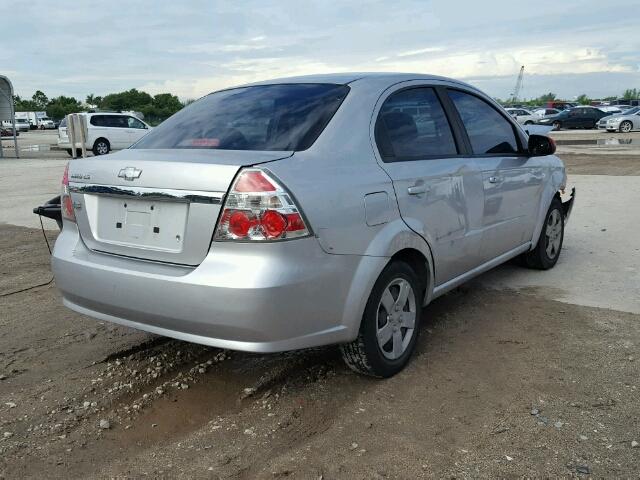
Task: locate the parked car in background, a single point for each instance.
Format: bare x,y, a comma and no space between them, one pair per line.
602,123
45,123
522,116
7,132
23,125
544,112
578,117
624,122
229,226
611,110
106,132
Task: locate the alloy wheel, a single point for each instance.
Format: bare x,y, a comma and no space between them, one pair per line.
553,234
396,318
102,148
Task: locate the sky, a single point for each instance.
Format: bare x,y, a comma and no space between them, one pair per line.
192,47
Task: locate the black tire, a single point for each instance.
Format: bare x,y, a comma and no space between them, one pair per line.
101,147
625,127
528,122
557,125
540,258
364,355
78,152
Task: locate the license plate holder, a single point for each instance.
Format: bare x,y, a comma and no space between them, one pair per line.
148,224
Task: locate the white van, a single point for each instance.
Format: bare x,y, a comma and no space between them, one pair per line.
106,132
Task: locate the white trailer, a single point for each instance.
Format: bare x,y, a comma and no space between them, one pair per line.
34,118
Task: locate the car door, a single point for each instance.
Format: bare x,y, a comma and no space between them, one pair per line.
135,130
573,118
118,135
438,188
512,181
587,116
98,128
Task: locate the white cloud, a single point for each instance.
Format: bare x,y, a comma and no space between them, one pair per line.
420,51
191,48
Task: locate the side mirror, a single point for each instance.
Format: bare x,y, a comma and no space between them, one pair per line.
539,145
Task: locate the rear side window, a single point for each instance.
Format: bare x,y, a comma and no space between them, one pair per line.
412,125
116,121
98,121
489,132
262,117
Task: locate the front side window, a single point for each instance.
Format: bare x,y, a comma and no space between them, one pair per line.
412,125
488,131
262,117
134,123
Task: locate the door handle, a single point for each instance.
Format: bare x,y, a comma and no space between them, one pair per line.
495,179
417,189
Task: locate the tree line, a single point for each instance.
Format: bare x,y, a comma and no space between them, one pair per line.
155,108
629,94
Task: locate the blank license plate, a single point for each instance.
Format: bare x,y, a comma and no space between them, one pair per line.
141,223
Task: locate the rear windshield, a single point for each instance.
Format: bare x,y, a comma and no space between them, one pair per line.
263,117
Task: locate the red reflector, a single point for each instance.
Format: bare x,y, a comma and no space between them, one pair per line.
273,224
294,222
239,224
205,142
67,205
65,176
253,181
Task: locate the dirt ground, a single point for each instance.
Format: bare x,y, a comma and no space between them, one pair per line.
503,384
601,164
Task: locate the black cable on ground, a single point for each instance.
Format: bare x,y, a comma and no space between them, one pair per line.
40,284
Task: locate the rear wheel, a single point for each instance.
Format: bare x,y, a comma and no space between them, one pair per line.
626,126
557,125
389,327
101,147
528,122
547,251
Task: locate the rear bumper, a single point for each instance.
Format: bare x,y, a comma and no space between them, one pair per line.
259,298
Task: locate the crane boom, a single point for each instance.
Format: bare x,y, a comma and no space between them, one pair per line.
516,91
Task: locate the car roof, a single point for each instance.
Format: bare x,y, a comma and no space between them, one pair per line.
360,77
89,114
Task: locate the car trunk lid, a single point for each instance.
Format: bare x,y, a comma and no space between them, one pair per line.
159,205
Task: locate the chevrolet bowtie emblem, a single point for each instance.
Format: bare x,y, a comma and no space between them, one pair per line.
130,173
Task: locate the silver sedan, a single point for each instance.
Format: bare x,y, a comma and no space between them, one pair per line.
625,122
308,211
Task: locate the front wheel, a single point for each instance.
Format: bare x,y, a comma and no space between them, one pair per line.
557,125
389,327
547,251
528,122
626,126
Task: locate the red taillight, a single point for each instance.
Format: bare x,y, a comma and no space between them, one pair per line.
66,204
253,181
273,224
65,176
258,208
239,224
